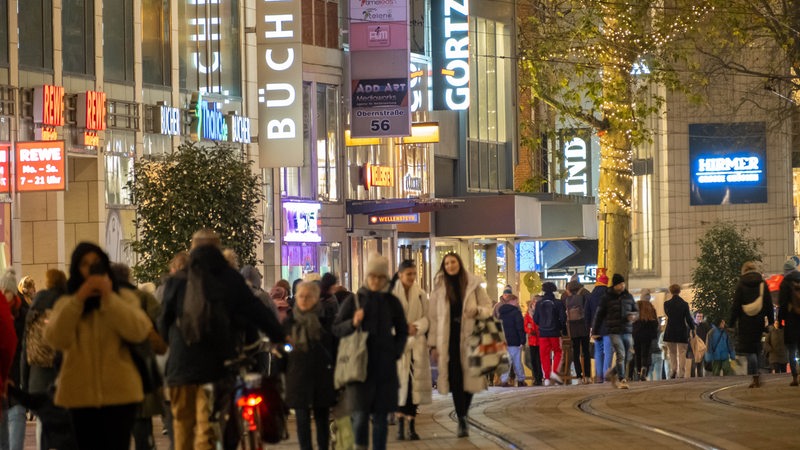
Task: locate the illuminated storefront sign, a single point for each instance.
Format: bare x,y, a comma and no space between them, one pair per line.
386,219
378,176
301,222
167,120
576,162
280,83
728,163
450,54
40,166
91,113
238,128
5,186
209,122
48,105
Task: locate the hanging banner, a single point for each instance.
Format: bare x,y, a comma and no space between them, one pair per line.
576,160
40,166
379,75
450,54
280,83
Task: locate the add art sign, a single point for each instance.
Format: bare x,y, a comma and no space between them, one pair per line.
40,166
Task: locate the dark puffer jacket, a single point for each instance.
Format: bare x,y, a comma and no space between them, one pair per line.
513,325
789,320
750,328
616,311
309,373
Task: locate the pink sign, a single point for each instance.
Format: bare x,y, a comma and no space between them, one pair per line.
378,36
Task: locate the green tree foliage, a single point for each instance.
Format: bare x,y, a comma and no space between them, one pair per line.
724,248
198,186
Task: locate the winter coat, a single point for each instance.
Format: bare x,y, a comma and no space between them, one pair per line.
475,300
513,325
548,306
615,312
8,340
679,320
36,379
153,404
97,369
234,310
788,320
775,347
595,298
416,360
386,324
750,328
309,374
577,328
645,332
719,345
19,328
531,330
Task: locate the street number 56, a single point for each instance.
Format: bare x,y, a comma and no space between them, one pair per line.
382,125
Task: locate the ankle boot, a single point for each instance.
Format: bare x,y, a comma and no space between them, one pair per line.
755,382
412,433
463,431
794,381
643,375
401,432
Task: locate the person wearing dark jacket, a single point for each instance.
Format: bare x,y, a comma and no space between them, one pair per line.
618,312
380,314
13,414
309,372
676,335
751,305
645,331
576,302
514,329
551,318
789,314
206,309
602,342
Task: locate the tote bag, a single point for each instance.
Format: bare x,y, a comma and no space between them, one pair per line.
351,360
487,347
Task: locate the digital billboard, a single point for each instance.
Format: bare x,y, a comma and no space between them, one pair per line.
728,163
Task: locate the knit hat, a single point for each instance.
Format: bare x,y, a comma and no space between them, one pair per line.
507,290
602,280
549,287
617,279
790,264
378,265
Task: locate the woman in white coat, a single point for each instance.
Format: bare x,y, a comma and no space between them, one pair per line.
457,299
414,367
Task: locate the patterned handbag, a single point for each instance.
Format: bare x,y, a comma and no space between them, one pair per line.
488,350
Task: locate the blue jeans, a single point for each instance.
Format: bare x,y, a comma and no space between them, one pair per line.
515,355
752,363
12,427
656,366
608,353
791,353
380,430
623,344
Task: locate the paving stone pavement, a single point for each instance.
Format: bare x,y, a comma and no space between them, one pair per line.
706,413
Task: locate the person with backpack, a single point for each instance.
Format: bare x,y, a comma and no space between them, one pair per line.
514,329
719,350
751,306
207,309
551,318
575,301
789,313
38,358
618,312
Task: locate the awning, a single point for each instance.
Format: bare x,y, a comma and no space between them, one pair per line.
401,205
585,255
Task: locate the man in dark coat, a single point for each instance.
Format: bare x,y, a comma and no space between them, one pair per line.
602,342
381,315
514,329
676,335
575,301
789,314
618,311
751,312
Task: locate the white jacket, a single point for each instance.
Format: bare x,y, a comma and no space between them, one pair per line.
415,305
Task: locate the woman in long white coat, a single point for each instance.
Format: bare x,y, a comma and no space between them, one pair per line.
457,299
414,367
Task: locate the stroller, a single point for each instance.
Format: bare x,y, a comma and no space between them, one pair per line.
57,429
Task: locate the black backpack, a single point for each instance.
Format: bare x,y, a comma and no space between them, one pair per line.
547,319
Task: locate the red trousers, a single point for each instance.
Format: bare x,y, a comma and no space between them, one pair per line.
547,345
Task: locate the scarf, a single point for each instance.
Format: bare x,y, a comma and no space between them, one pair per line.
194,318
307,328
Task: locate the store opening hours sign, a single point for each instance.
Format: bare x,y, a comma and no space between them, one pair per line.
40,166
5,186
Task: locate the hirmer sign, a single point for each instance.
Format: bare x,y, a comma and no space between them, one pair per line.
280,83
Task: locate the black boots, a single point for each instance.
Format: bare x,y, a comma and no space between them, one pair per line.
756,382
412,433
401,429
463,431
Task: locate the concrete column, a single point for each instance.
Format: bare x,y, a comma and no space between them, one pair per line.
491,271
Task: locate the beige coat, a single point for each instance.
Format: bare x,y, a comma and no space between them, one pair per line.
475,301
97,369
416,308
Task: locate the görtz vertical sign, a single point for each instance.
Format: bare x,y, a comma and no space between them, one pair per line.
450,54
280,82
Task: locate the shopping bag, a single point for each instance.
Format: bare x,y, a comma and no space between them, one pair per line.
487,347
351,359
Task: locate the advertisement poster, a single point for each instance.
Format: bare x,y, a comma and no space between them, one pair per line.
5,169
40,166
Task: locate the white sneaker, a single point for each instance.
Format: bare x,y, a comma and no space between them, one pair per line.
547,382
556,379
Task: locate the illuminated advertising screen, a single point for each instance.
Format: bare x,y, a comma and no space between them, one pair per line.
728,163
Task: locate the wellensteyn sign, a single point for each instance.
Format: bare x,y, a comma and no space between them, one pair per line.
280,83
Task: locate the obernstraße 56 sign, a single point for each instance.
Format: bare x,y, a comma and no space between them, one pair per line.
40,166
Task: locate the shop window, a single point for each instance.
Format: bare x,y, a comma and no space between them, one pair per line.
77,34
210,58
642,239
119,155
156,146
269,202
326,136
4,33
155,42
36,34
118,40
298,260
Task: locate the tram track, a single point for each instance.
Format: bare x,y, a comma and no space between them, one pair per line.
713,395
499,439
